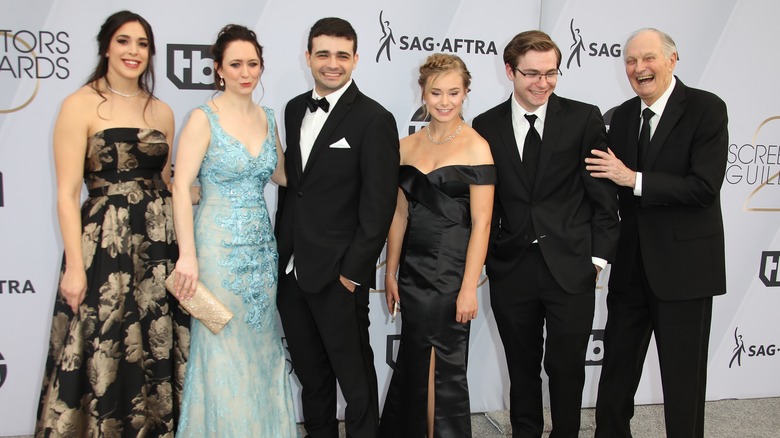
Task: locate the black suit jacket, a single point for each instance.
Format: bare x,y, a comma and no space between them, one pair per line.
677,221
574,215
334,214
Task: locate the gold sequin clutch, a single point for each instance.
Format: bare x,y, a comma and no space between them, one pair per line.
204,306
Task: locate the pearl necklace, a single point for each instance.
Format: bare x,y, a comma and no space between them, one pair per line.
448,138
119,93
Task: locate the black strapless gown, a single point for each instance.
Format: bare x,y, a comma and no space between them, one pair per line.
429,279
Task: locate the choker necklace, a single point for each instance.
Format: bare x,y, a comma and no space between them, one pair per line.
448,138
118,93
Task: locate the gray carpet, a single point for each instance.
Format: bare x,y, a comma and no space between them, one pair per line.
751,418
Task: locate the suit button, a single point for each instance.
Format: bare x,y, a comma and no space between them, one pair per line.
300,194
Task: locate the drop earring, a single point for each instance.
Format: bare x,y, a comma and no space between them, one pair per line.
221,82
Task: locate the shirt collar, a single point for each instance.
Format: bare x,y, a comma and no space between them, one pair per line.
658,106
519,112
333,97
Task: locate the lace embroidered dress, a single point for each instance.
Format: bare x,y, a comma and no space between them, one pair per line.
236,383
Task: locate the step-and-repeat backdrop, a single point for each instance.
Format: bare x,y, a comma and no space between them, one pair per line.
47,49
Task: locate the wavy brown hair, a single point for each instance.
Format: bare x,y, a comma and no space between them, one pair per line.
104,37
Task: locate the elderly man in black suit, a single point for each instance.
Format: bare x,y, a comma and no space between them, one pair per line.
554,229
668,155
342,181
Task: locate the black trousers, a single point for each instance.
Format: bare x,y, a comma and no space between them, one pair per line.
682,333
523,302
327,336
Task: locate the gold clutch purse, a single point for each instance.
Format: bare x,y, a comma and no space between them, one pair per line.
204,306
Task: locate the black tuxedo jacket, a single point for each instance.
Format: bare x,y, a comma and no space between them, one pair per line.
677,221
334,214
574,215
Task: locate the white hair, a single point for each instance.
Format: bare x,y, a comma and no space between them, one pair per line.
667,43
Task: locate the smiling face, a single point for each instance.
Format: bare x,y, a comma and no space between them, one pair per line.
444,95
533,93
648,69
331,60
241,67
128,51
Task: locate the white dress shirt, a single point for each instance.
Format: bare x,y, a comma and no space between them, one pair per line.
313,122
657,108
310,128
521,126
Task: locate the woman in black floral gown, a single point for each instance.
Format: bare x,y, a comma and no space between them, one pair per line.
118,342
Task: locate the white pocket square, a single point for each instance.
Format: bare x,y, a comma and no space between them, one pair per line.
341,144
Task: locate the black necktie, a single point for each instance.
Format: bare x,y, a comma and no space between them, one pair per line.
313,104
532,148
644,138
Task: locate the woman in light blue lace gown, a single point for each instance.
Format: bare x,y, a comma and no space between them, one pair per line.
236,383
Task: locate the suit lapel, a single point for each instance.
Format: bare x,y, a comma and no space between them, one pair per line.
672,112
294,137
553,121
632,135
507,133
338,112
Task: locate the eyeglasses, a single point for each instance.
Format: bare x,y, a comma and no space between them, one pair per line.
535,76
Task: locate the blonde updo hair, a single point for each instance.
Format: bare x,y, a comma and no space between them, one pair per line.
437,65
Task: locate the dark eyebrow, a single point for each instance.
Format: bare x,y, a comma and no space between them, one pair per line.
326,52
128,36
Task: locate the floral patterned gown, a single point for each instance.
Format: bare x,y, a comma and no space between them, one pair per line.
237,383
116,368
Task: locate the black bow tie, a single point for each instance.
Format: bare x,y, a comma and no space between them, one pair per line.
313,104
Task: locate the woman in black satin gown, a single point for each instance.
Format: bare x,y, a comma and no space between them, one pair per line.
437,246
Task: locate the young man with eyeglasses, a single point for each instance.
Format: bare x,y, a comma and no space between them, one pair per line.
554,229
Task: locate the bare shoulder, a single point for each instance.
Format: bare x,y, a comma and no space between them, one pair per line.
410,140
161,108
263,110
82,99
162,115
80,109
196,122
477,147
409,145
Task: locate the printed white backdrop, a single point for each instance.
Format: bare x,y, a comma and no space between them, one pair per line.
47,49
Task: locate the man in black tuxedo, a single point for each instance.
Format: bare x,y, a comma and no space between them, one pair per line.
554,229
342,180
668,154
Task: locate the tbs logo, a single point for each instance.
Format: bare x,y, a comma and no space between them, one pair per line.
769,273
595,353
190,66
